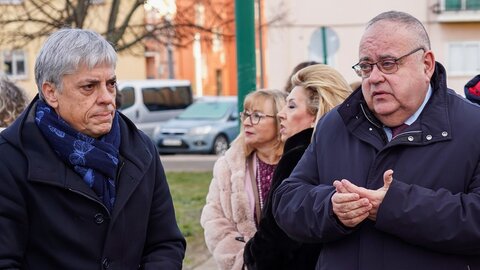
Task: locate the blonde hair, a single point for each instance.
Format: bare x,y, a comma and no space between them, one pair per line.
326,88
13,101
288,86
261,96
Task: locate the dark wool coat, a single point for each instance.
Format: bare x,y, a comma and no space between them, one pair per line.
271,248
51,219
430,216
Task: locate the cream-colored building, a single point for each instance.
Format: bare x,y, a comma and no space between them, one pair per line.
19,63
453,26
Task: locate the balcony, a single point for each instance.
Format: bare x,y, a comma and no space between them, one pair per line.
457,11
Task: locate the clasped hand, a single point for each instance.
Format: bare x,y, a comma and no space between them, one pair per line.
353,204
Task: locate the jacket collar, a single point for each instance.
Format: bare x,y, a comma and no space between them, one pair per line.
432,125
303,137
44,165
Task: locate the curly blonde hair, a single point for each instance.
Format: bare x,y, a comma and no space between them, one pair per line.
13,101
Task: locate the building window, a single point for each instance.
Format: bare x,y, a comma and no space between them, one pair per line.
464,58
456,5
219,82
217,40
11,2
14,63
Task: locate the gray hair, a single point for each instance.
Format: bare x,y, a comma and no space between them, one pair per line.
408,21
13,101
66,50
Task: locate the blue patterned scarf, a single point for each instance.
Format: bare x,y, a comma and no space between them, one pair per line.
95,160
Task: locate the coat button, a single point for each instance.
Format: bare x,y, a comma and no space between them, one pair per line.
105,263
429,137
99,219
410,138
444,134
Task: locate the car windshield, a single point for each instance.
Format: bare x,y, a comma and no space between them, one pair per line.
205,110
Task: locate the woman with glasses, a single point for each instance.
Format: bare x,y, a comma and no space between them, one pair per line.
242,179
316,90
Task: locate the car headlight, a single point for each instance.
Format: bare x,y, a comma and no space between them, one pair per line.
200,130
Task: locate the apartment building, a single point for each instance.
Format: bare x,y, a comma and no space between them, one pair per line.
18,63
208,55
330,32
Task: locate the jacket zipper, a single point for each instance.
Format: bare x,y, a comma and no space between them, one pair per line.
368,118
407,132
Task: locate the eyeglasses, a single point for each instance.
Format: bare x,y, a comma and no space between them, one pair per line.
254,117
387,66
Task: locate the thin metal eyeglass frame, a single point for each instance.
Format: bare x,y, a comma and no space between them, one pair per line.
245,115
358,70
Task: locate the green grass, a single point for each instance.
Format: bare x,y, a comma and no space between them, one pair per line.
189,190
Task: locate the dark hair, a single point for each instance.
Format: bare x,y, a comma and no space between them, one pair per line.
288,86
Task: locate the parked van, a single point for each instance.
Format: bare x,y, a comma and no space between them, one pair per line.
148,103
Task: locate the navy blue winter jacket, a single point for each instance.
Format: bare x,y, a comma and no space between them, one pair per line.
430,216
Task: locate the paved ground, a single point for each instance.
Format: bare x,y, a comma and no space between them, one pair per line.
191,163
208,265
188,163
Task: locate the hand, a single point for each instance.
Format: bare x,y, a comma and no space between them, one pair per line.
349,208
375,197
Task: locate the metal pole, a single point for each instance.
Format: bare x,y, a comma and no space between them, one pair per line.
197,57
260,41
171,72
245,41
324,44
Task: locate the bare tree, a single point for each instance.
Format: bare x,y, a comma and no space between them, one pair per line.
123,23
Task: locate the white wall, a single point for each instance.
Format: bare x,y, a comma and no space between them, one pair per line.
289,37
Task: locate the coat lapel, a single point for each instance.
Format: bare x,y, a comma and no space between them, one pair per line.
45,166
135,161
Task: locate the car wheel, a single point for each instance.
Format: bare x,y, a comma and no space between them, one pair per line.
220,145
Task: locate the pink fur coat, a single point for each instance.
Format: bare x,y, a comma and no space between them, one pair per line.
227,217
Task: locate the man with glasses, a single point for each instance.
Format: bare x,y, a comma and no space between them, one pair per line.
392,177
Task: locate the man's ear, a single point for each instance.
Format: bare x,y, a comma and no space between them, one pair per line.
429,64
50,94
